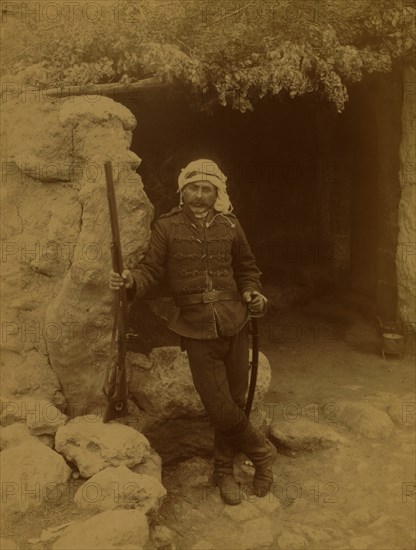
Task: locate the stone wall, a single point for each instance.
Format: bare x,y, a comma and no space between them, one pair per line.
406,248
56,240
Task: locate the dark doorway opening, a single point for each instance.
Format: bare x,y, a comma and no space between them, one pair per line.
316,192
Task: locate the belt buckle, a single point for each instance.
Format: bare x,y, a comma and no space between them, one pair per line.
210,296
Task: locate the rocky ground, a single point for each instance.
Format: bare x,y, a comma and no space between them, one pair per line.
343,420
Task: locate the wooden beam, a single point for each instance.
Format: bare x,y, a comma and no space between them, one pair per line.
104,89
15,89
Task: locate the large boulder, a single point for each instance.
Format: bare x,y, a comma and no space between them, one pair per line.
176,423
165,390
93,445
30,472
121,488
111,529
304,435
365,420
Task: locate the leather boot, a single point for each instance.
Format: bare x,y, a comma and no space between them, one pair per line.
224,453
262,454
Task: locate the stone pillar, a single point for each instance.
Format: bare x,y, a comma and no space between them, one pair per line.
387,103
101,130
406,246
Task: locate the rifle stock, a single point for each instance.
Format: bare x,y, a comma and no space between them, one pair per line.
115,385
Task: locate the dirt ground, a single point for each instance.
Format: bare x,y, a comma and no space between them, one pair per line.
359,495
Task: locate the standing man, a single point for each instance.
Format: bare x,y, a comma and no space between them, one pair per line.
213,276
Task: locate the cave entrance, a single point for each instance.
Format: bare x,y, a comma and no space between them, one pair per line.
317,192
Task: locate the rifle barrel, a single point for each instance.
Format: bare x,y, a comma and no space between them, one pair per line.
115,229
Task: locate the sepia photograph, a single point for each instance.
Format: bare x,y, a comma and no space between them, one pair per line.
208,275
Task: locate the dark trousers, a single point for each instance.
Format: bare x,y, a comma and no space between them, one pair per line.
219,370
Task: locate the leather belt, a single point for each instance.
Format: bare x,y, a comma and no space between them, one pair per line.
206,297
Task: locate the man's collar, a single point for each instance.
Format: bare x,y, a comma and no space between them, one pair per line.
188,212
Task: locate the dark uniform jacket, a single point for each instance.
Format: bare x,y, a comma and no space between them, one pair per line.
198,257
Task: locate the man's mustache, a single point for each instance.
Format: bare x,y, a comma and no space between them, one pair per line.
198,203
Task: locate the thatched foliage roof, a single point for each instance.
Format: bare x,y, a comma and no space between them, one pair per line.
219,51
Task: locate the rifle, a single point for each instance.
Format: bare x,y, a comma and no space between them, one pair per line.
115,384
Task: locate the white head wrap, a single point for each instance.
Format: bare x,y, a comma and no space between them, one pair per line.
206,170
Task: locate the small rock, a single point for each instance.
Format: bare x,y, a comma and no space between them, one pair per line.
121,488
364,419
161,537
32,473
361,516
111,529
290,541
241,512
93,445
257,533
7,544
304,435
361,543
